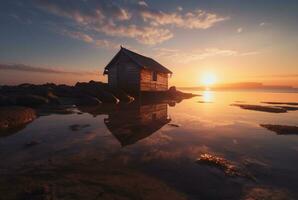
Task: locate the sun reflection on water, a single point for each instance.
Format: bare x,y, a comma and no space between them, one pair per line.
208,96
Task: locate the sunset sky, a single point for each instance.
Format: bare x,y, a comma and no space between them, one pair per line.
65,41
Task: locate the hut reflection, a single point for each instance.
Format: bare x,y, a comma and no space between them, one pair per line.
134,122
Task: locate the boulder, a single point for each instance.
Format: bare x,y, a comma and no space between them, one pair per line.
88,101
53,99
96,89
31,100
173,93
172,89
64,91
121,95
6,100
15,116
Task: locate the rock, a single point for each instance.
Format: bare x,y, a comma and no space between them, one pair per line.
64,91
96,89
14,116
173,93
174,125
261,108
32,143
229,168
172,89
88,101
53,99
205,102
121,95
31,100
6,101
288,108
266,193
281,129
172,103
78,127
55,109
282,103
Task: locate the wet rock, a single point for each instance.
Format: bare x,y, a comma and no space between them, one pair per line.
281,129
31,100
55,109
88,101
281,103
53,99
6,101
174,125
239,101
288,108
172,89
121,95
78,127
173,93
260,108
32,143
14,116
96,89
266,193
65,91
172,103
226,166
41,192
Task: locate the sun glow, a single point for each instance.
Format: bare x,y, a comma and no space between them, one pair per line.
208,79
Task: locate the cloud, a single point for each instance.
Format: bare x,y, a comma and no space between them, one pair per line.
21,20
78,35
88,39
262,24
179,8
197,19
125,15
186,57
249,53
106,44
28,68
143,3
239,30
126,19
144,35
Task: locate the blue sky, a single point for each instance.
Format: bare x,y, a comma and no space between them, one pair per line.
45,40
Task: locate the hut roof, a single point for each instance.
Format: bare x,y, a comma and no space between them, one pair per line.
142,61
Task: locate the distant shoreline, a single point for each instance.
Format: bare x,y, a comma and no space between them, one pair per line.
273,90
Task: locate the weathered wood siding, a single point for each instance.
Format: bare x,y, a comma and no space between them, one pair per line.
112,77
124,74
147,83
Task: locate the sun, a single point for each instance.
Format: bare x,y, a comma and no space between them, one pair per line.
208,79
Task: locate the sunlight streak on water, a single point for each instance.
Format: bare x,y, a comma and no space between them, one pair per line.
208,96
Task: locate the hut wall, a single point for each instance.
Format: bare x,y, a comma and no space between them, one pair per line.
124,74
148,84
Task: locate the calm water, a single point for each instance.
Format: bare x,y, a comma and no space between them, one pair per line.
131,152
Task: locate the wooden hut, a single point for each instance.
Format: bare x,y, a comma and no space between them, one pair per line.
135,73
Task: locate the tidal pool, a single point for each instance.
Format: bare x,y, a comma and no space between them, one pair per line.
151,150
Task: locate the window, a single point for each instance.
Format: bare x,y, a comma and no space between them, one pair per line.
154,76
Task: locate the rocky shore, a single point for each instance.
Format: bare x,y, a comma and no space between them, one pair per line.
26,101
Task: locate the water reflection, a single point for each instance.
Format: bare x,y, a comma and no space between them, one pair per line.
208,96
83,150
135,121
